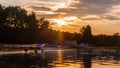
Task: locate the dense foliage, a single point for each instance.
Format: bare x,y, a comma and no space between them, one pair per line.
17,26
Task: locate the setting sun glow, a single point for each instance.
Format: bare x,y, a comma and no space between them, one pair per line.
60,22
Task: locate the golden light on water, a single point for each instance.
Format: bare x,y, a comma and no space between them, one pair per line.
61,64
60,56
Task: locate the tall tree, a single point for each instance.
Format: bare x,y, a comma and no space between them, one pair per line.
43,23
32,21
86,34
15,17
2,17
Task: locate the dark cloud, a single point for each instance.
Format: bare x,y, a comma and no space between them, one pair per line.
90,18
74,25
50,15
96,6
104,2
36,8
89,7
53,23
109,17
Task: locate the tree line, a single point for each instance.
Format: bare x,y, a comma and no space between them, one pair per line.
86,37
19,26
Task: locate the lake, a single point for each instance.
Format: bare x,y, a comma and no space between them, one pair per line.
61,58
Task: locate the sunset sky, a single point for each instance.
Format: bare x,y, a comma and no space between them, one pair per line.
70,15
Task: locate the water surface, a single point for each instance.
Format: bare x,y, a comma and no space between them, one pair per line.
60,58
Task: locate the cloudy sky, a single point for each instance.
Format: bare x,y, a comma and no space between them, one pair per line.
70,15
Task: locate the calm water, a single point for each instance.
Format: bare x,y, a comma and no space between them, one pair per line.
67,58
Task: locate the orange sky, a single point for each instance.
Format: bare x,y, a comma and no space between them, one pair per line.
70,15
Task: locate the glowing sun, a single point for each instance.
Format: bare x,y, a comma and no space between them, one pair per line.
60,22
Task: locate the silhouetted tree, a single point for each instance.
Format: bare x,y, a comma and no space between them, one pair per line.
2,18
78,38
16,25
32,21
44,24
107,39
86,34
15,17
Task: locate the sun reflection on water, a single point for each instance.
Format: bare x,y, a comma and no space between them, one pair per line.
61,62
60,56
